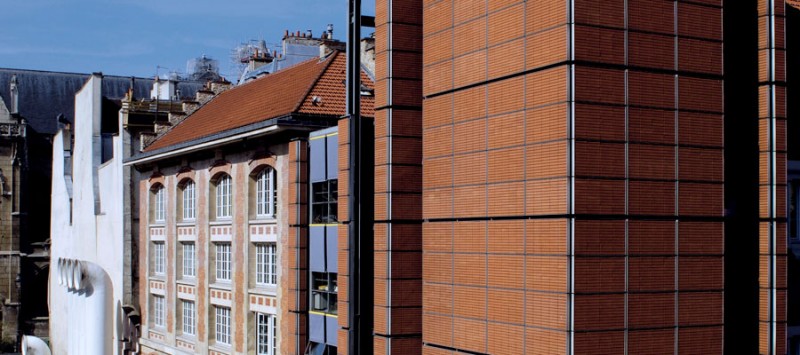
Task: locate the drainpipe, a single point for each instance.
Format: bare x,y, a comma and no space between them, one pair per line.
89,298
354,187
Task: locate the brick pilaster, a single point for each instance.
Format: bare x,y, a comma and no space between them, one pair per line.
398,177
294,318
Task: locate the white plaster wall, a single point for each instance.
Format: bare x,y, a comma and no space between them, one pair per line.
96,231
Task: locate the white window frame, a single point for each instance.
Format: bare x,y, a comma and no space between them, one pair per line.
223,197
159,310
266,334
223,261
159,206
189,259
189,325
266,264
189,201
159,258
222,325
265,193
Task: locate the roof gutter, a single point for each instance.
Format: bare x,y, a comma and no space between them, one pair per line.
195,147
270,126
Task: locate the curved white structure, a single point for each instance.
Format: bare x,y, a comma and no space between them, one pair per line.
32,345
89,292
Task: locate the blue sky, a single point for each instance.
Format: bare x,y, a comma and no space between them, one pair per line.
135,37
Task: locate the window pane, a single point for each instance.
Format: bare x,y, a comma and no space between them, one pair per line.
189,327
324,201
223,262
265,193
189,200
223,325
189,260
160,211
223,195
158,310
158,258
265,264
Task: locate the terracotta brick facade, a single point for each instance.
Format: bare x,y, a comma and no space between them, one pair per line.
398,178
573,176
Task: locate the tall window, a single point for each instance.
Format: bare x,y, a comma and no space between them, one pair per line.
222,323
266,334
266,260
159,306
324,292
189,325
189,260
223,262
224,197
159,208
324,204
189,201
266,198
159,264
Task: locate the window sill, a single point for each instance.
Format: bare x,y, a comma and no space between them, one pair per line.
187,223
264,290
188,281
221,285
221,221
187,338
263,220
224,348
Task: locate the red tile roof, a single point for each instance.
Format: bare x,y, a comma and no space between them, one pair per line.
279,94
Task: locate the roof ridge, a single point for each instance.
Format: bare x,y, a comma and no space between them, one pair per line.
331,58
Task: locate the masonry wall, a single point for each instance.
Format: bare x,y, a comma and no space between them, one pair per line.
398,177
242,231
572,178
294,326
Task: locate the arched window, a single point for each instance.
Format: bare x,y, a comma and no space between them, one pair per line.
159,204
266,196
189,200
223,196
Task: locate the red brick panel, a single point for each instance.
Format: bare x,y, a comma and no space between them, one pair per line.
651,310
607,13
543,14
598,85
699,21
600,122
652,342
599,312
597,343
546,48
599,237
648,15
651,50
651,237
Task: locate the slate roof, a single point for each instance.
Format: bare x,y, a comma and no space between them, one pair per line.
43,95
281,94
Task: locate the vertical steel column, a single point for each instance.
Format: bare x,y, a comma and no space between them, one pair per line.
354,193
